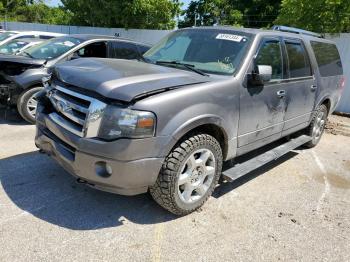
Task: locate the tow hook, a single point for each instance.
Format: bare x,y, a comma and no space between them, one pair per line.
81,181
84,182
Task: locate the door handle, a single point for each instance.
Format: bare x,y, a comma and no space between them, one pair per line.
313,87
281,93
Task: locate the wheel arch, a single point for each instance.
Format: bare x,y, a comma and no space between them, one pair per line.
33,85
211,125
327,102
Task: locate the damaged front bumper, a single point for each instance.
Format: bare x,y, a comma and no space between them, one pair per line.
125,166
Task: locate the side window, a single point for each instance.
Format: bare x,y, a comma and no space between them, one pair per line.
143,49
25,37
45,37
298,60
270,53
328,59
97,49
124,50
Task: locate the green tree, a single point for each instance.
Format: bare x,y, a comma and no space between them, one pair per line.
41,13
322,16
248,13
210,12
258,13
33,11
151,14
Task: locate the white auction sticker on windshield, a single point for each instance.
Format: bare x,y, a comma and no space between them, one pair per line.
230,37
68,43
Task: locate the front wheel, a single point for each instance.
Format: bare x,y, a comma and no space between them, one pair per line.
27,104
317,126
189,175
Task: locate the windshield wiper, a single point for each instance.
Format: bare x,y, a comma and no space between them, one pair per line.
24,52
188,66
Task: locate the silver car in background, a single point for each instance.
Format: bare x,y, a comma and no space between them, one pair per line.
16,46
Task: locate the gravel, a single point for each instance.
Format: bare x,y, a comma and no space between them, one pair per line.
296,208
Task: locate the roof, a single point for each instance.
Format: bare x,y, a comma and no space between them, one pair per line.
37,33
87,37
28,40
255,31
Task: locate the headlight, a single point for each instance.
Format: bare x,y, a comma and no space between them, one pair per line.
120,122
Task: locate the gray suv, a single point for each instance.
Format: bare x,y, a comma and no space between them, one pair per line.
202,96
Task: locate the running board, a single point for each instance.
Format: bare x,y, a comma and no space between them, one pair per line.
240,170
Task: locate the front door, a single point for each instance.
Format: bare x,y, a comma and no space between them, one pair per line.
262,108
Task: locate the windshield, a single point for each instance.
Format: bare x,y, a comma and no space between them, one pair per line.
211,51
6,35
12,46
52,48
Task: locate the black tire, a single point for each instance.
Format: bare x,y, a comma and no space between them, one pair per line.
22,104
321,110
166,190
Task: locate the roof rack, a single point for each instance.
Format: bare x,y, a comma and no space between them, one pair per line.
295,31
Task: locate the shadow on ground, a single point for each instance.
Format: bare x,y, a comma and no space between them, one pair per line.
39,186
10,116
225,187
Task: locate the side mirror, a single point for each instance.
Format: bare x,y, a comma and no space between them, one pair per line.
265,73
73,56
261,75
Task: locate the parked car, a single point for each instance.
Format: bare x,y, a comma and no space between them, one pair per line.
11,35
22,74
17,45
205,96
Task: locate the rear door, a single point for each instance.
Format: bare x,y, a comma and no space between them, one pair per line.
300,86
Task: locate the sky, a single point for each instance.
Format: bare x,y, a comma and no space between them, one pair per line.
57,2
53,2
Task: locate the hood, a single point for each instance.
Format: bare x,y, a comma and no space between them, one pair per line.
21,60
124,80
13,65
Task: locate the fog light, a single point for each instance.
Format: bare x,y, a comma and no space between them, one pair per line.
103,169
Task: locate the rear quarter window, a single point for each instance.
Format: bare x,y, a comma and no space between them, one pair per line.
143,49
124,50
328,59
45,37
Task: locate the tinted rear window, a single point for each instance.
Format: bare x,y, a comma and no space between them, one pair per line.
143,49
124,50
328,59
299,64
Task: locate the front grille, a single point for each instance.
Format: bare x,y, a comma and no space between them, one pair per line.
75,112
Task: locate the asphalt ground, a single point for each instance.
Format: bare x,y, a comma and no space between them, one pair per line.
296,208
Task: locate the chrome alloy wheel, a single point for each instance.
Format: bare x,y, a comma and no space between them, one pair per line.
196,176
319,126
32,105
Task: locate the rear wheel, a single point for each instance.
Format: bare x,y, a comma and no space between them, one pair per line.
189,175
317,126
27,104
